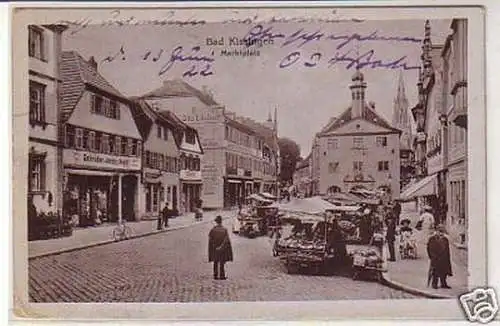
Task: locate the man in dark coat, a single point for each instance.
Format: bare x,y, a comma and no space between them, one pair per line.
391,237
396,211
165,214
219,248
438,249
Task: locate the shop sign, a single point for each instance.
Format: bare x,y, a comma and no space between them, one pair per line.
204,116
190,175
98,160
211,180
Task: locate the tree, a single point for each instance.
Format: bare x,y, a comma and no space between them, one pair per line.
290,155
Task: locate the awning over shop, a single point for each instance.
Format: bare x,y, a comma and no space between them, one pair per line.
90,172
259,198
311,205
192,182
267,195
424,187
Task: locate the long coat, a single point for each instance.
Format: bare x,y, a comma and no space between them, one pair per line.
219,245
438,249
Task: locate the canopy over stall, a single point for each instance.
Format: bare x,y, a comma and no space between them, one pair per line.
268,196
260,198
312,205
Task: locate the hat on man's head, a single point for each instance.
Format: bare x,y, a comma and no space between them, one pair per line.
218,219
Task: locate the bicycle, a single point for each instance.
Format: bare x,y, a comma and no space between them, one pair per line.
122,232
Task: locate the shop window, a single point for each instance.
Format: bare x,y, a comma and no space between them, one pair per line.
91,141
37,172
148,198
37,102
36,43
381,141
118,145
79,138
155,197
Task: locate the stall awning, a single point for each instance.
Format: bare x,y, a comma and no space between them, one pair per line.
424,187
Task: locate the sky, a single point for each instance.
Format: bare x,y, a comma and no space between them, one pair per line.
305,97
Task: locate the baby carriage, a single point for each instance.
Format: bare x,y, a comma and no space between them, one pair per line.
407,242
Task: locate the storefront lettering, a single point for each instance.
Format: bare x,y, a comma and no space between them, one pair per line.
82,158
207,116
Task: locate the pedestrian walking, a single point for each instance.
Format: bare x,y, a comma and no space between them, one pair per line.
438,249
396,210
165,213
391,237
220,250
426,223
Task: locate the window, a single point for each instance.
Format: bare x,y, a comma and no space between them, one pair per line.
226,134
357,142
381,141
105,144
106,107
91,141
333,143
97,104
79,138
130,147
112,144
332,167
37,102
147,158
69,136
118,145
36,43
139,148
165,133
155,197
148,198
158,131
37,172
358,166
190,137
383,165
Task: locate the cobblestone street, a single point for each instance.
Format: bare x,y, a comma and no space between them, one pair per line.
173,267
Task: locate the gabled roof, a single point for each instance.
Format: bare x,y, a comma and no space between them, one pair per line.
261,130
179,125
77,74
367,115
140,113
179,88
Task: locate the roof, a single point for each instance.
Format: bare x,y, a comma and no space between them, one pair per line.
77,74
368,115
141,114
261,130
179,88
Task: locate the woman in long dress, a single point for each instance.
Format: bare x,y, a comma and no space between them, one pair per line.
427,222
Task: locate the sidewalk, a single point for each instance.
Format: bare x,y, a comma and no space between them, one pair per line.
99,235
411,274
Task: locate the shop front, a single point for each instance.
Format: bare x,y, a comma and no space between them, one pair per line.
100,188
191,189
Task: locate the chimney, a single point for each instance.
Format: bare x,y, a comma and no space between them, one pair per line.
92,62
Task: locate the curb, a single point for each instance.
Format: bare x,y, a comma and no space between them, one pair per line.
108,241
386,280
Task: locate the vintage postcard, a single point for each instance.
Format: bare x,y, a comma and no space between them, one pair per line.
249,162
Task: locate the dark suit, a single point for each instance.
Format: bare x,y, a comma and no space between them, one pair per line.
438,249
219,250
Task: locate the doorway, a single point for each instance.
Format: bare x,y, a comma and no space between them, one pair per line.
129,184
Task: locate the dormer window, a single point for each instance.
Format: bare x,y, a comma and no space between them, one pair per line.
158,131
165,133
79,138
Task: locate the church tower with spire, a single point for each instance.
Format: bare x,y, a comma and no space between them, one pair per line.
400,116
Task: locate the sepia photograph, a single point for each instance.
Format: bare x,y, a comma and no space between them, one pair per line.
190,155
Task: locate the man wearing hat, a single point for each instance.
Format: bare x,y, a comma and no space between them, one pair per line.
438,249
219,248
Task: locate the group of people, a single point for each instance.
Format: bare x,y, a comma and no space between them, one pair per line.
431,235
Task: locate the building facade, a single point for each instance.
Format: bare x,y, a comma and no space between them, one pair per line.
302,177
401,121
359,149
455,107
431,139
160,161
44,165
102,146
191,155
237,159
